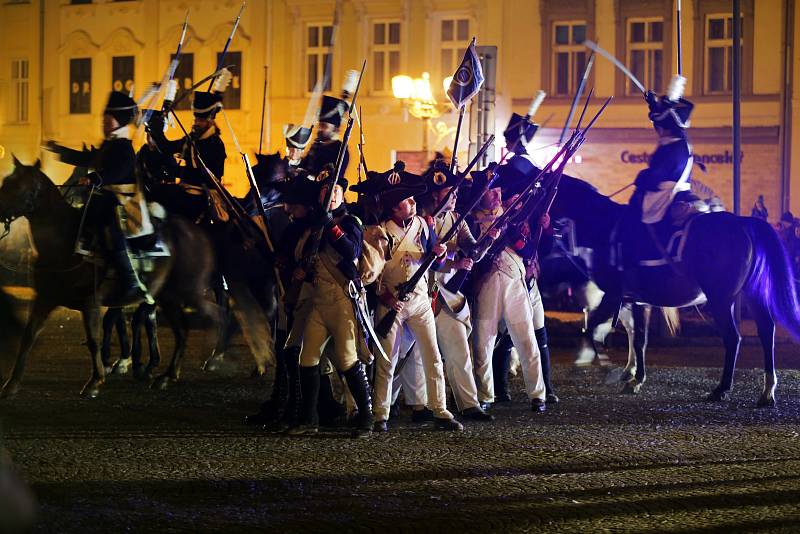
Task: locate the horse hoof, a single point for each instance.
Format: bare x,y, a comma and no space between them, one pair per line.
258,372
122,366
162,382
92,389
213,363
108,369
10,390
631,388
717,396
766,402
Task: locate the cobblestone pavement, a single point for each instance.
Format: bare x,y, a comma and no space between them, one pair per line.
141,460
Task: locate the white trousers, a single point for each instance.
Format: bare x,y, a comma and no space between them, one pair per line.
538,307
453,337
411,377
418,315
503,298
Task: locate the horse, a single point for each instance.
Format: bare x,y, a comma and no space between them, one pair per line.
723,256
63,279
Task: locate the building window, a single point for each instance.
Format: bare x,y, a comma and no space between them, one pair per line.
78,2
454,38
385,55
232,97
184,75
646,53
569,56
719,53
122,73
80,85
19,85
318,43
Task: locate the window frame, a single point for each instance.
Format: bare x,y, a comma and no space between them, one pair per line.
21,90
385,49
571,48
88,109
646,46
558,11
186,103
320,51
455,46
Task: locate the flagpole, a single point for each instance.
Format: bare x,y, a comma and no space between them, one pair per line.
454,158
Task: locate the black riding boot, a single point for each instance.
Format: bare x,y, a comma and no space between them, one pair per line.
501,363
359,388
544,351
330,410
291,416
309,384
129,288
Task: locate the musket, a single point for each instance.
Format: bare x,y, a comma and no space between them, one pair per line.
362,163
263,111
463,176
316,236
169,76
577,97
227,44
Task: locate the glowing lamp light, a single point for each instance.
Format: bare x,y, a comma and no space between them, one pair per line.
422,88
446,83
402,86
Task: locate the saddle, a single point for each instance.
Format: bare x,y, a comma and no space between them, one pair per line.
634,243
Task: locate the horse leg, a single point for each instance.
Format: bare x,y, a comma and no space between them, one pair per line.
151,326
766,333
224,330
92,328
723,316
123,365
109,319
604,311
641,323
177,322
255,324
626,318
136,340
38,316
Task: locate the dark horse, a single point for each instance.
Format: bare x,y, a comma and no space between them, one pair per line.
63,279
723,256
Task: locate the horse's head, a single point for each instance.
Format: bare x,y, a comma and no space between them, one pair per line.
270,168
21,191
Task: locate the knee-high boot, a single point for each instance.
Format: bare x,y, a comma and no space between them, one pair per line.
544,351
291,415
501,363
359,388
330,410
309,384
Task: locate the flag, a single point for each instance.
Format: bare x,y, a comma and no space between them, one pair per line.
468,78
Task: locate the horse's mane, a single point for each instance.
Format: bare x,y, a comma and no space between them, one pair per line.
577,188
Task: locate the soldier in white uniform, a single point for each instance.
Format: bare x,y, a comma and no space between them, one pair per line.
503,296
411,238
453,320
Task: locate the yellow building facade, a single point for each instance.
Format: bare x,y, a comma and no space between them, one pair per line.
60,58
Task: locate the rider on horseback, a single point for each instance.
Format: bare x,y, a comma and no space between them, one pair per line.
116,188
666,181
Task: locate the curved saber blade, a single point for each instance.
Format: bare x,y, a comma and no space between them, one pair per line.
594,46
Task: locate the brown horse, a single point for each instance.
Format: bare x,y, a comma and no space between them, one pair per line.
63,279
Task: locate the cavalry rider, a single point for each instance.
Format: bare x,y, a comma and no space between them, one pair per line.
411,238
667,177
453,320
325,148
331,318
503,294
116,208
203,149
297,138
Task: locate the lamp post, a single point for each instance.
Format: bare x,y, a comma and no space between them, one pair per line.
418,99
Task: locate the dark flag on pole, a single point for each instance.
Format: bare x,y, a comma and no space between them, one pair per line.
468,78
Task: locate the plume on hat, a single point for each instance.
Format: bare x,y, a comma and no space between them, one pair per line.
676,88
222,81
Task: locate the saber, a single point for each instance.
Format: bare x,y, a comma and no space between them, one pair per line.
617,63
227,44
577,97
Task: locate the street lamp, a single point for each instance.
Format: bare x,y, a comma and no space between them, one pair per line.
418,98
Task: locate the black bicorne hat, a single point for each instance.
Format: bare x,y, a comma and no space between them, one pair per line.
205,104
516,175
378,182
519,128
332,110
438,176
671,111
122,107
297,136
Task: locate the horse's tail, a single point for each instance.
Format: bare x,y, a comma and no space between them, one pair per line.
672,319
771,280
